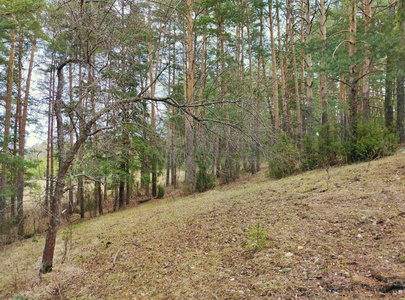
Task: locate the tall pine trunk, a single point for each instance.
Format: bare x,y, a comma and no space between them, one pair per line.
389,80
352,70
21,142
400,79
274,69
7,123
282,72
190,174
366,64
309,110
323,92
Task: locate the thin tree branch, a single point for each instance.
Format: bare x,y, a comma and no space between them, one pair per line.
153,82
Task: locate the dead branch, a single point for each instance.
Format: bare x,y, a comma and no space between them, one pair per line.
119,249
90,178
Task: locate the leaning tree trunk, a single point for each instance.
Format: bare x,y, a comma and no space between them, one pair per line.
65,161
55,198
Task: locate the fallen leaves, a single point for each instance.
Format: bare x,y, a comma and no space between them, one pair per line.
315,246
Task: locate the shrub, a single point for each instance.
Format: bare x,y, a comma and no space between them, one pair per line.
309,160
204,181
161,191
283,159
329,145
373,140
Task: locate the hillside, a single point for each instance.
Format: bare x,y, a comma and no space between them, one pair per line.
291,238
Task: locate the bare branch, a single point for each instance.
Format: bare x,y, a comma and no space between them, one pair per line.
153,82
119,249
340,44
88,177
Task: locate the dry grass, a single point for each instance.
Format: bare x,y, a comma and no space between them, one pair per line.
345,242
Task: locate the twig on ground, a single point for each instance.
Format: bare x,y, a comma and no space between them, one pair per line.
119,249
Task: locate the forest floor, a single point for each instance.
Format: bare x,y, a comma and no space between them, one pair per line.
309,236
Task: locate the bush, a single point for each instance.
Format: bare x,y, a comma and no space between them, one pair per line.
284,158
309,160
372,141
204,181
329,145
161,191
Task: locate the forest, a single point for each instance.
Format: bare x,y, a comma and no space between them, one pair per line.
137,98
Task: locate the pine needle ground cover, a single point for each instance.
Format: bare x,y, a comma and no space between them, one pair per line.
257,238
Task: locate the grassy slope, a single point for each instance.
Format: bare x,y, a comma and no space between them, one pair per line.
321,244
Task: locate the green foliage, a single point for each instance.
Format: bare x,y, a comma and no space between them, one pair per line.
18,297
37,168
161,192
322,149
309,160
284,158
145,178
329,145
373,140
204,181
257,237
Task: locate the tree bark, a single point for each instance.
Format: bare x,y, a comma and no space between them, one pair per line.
7,123
21,142
80,184
323,92
296,84
64,165
49,147
352,70
366,64
274,69
18,115
400,79
190,175
302,70
100,198
152,93
309,110
400,105
282,73
121,201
